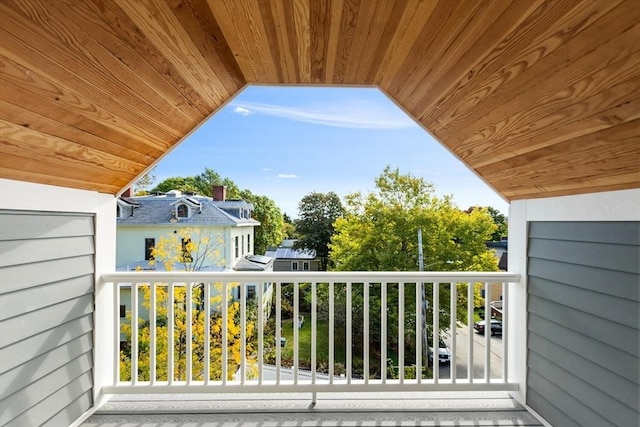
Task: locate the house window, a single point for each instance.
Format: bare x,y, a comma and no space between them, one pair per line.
123,311
306,266
248,243
251,292
149,244
294,265
186,251
243,244
237,247
183,211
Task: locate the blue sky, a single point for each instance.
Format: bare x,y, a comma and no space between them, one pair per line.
286,142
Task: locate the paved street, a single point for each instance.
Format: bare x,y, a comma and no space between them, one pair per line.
462,352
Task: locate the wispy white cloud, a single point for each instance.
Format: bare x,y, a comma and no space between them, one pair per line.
266,169
242,111
356,114
286,176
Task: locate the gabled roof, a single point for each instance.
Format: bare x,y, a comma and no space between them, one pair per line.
539,98
155,210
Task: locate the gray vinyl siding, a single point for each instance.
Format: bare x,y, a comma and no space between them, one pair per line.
584,323
46,317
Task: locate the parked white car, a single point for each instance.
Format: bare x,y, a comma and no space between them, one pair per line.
444,354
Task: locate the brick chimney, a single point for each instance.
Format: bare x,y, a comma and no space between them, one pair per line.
126,193
219,193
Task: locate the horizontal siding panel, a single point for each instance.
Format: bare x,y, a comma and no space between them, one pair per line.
598,377
597,401
38,297
609,333
551,413
38,367
54,403
616,309
38,390
618,362
16,252
24,276
71,412
41,225
31,348
606,256
619,232
572,412
615,283
32,323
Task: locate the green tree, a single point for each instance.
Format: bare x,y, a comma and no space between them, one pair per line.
318,212
206,180
270,232
499,219
184,184
289,228
378,232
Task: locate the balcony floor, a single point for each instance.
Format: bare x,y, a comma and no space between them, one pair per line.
295,410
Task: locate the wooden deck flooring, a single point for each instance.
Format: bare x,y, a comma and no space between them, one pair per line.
296,410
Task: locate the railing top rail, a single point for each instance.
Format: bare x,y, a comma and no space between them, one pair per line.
313,276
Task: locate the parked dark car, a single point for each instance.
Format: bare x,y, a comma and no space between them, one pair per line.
496,327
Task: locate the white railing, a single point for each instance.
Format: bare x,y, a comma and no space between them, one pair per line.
372,326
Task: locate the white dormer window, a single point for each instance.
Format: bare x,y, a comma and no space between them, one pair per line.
182,211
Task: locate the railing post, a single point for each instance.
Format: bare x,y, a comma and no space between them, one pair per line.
278,329
401,332
470,312
134,333
349,333
116,334
487,332
419,332
454,330
152,333
296,335
365,338
436,332
383,331
188,321
505,333
224,288
207,333
331,332
170,327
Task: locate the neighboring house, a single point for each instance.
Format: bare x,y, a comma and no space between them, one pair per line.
286,258
143,221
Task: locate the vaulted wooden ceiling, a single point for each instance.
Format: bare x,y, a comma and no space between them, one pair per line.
540,98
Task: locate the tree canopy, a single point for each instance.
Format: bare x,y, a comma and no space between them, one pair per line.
318,212
378,232
499,219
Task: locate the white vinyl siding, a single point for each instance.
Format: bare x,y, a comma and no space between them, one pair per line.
46,317
583,331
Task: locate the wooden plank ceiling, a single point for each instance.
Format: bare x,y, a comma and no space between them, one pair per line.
540,98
